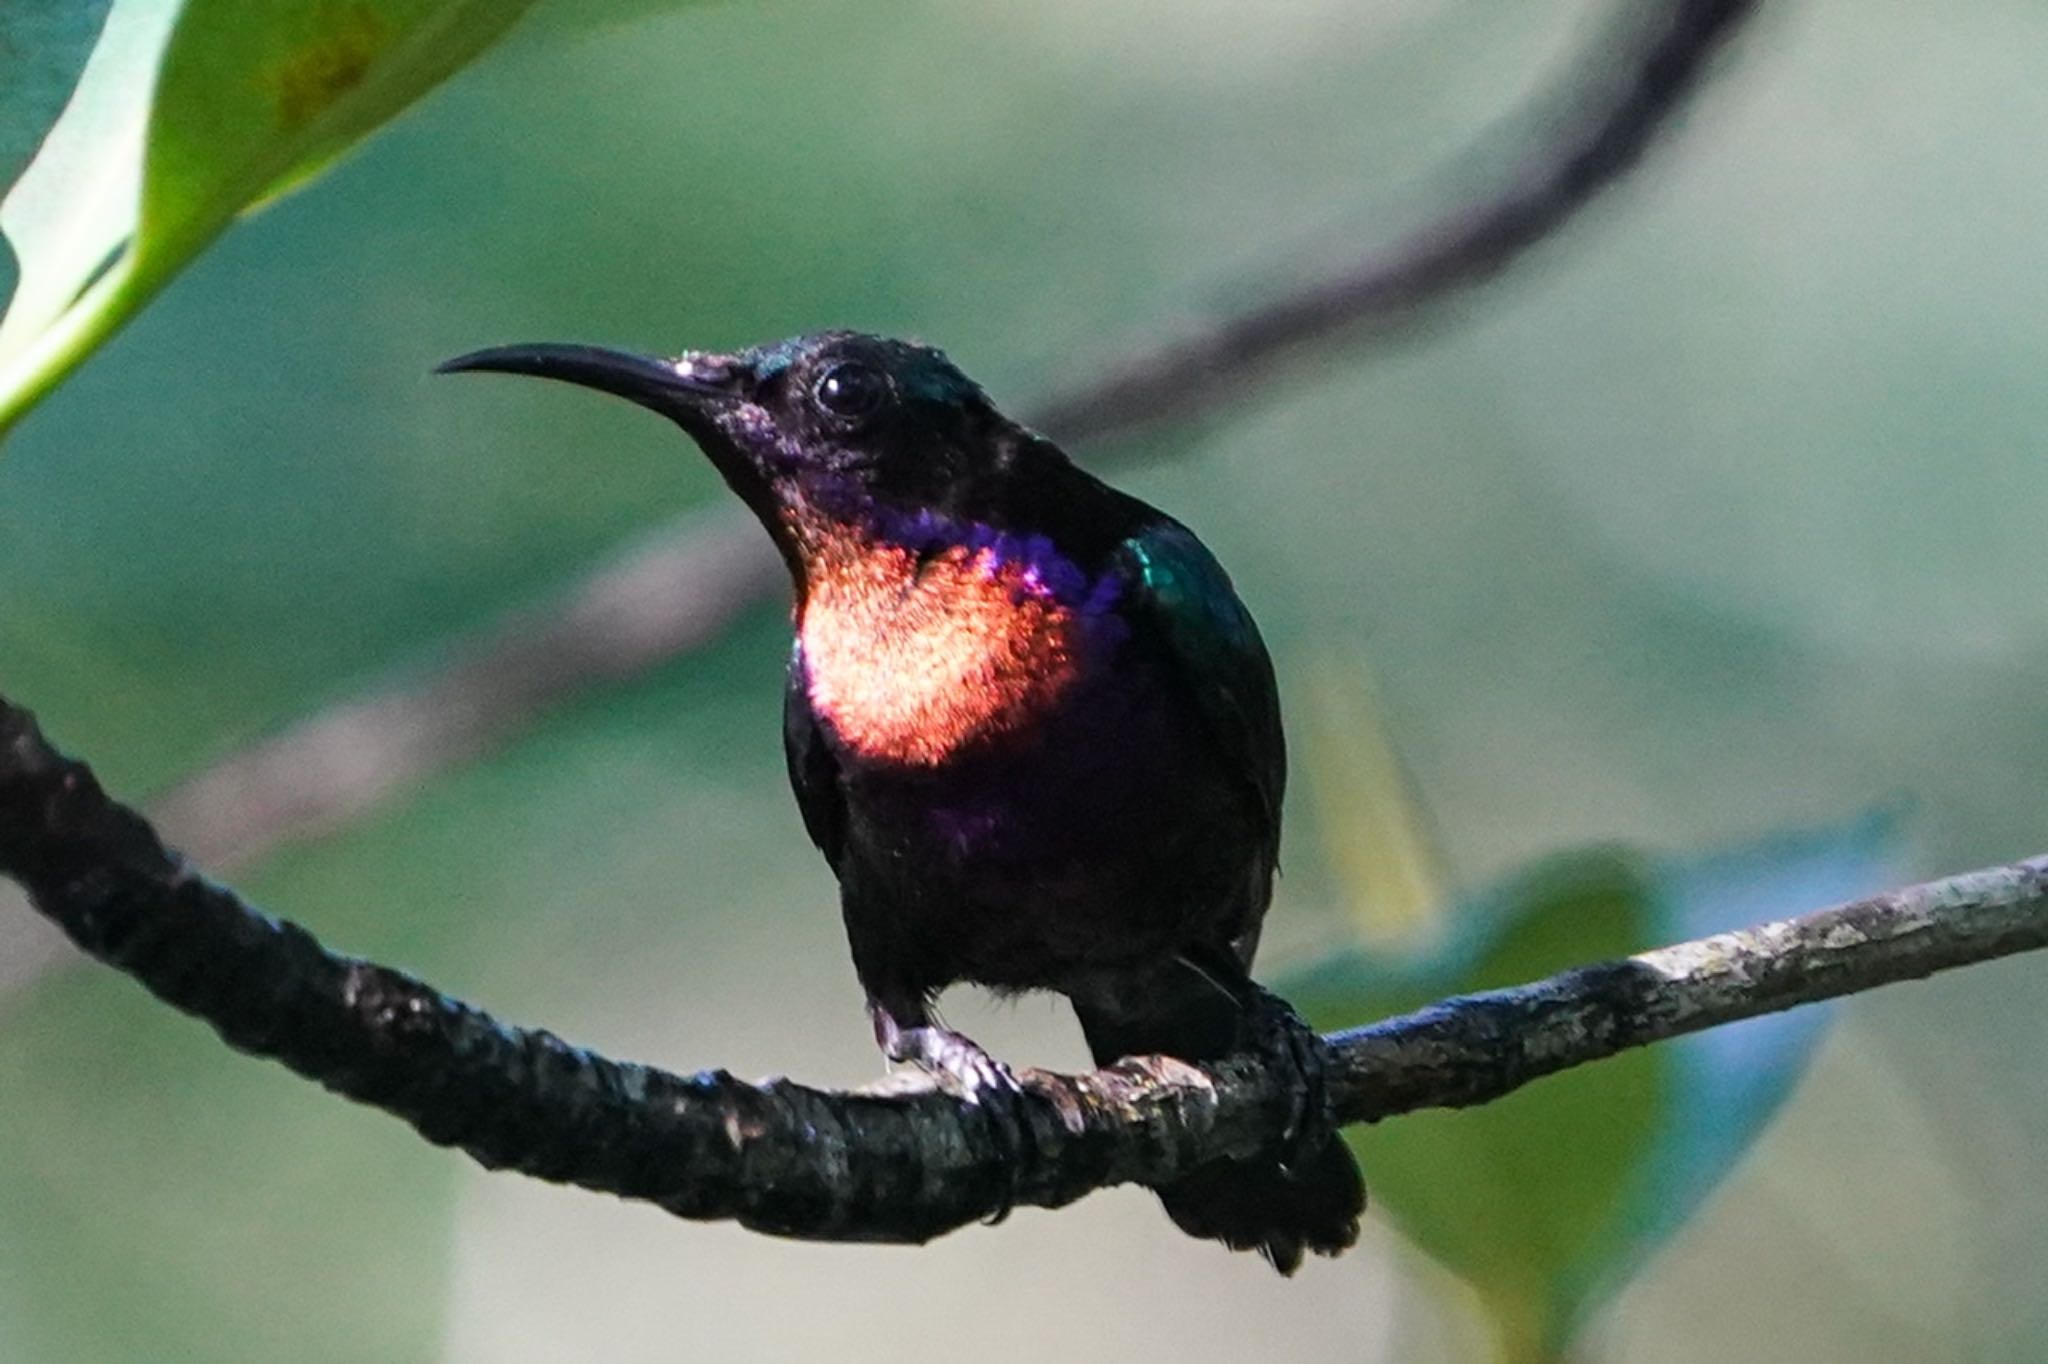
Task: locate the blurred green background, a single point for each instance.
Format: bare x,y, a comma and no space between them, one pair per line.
1719,517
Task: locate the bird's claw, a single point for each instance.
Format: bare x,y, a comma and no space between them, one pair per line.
963,1061
1297,1051
962,1066
957,1062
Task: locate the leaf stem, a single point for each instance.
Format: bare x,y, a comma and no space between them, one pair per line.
106,305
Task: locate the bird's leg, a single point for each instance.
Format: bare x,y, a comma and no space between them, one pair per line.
1276,1033
906,1031
1266,1026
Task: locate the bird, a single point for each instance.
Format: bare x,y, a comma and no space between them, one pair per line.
1028,721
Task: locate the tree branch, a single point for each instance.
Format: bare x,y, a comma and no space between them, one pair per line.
874,1166
681,588
1174,379
670,594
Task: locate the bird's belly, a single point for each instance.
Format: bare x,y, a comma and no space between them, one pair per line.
1100,838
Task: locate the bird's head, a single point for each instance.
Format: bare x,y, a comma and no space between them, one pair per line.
828,428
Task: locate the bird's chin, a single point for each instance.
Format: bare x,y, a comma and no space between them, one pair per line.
756,478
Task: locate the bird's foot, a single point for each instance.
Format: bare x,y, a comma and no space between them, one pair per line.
958,1061
1277,1034
961,1065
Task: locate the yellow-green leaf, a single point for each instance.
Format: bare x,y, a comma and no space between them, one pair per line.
75,203
253,96
43,46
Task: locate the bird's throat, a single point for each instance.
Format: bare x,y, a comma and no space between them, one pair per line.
915,652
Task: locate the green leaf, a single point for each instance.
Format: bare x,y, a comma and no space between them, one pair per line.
253,97
65,211
1733,1079
1519,1196
43,47
1547,1200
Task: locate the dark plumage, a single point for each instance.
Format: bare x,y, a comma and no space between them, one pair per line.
1028,722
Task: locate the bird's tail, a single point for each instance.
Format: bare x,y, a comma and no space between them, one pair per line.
1281,1211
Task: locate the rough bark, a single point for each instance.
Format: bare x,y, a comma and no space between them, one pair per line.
890,1166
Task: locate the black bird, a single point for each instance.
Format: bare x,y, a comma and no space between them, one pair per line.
1028,721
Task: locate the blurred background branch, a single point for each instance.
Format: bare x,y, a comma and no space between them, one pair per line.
677,590
1627,91
801,1162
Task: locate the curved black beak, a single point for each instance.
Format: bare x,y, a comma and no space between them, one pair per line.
664,385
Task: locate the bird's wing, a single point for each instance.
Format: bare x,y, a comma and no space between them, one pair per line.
1187,616
813,771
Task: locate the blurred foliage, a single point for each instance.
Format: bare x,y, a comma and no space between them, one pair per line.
1376,836
1545,1201
248,98
1719,518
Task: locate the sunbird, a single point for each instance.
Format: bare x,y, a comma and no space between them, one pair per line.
1028,721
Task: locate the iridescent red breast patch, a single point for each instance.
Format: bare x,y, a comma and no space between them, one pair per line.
911,658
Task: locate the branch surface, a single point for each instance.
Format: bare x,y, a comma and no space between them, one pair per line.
785,1158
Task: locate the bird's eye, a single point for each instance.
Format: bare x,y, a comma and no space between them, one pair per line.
851,391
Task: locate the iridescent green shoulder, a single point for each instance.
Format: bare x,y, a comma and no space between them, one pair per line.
1184,608
1182,578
